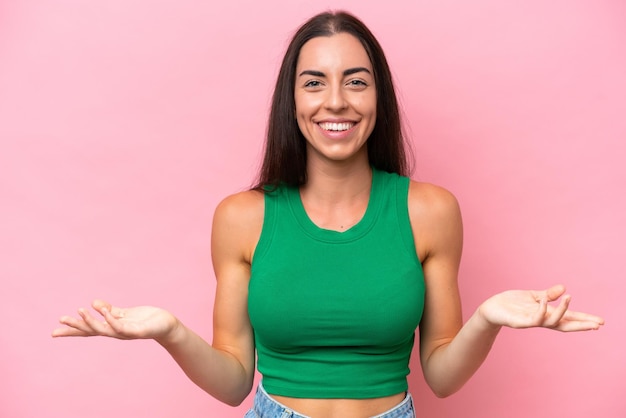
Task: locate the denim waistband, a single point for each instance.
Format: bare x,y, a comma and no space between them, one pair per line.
267,407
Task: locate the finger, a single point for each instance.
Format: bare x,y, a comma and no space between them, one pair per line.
573,326
582,316
113,322
69,332
555,292
557,313
97,327
100,305
73,327
75,323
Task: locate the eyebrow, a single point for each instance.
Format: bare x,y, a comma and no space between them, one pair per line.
347,72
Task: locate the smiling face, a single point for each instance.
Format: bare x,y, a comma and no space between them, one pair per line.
335,97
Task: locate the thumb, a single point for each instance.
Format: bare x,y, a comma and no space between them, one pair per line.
555,292
100,306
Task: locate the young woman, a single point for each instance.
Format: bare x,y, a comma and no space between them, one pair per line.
330,263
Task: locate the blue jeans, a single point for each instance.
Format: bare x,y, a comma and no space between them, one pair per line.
266,407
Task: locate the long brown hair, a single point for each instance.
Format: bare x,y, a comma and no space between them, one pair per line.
285,156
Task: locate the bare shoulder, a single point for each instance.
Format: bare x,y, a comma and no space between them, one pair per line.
429,200
237,224
246,206
435,218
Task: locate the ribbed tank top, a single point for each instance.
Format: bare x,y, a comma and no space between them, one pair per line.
334,313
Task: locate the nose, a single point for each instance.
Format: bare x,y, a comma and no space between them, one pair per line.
336,100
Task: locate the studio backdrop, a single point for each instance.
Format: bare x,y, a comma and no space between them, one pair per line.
124,123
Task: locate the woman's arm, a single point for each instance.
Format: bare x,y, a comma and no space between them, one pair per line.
224,369
451,351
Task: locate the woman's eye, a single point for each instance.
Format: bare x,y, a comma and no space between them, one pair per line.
312,83
357,83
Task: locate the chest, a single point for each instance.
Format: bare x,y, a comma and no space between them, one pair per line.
363,293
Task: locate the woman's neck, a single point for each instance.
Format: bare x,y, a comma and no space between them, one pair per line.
336,197
334,183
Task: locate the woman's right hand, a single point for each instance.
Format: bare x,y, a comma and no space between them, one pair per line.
142,322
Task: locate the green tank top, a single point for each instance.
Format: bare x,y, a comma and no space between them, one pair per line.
334,313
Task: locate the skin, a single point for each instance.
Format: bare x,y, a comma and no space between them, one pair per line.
335,197
335,83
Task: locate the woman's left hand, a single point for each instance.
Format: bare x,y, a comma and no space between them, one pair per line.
530,308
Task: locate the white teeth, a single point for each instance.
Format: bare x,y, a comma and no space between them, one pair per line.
330,126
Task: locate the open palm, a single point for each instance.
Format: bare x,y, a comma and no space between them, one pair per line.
123,323
531,308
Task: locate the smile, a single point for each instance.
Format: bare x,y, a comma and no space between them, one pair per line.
336,127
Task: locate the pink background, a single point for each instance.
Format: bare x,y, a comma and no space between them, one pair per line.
123,123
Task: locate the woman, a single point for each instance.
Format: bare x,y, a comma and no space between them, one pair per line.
330,263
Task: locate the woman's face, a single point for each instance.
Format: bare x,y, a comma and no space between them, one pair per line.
335,98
